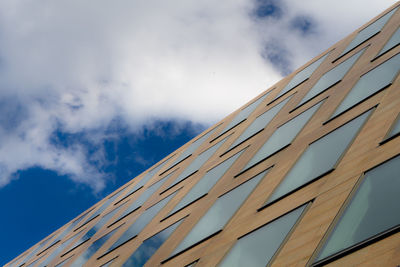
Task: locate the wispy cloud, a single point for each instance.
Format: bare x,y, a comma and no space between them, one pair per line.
76,66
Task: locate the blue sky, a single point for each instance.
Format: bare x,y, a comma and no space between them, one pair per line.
92,94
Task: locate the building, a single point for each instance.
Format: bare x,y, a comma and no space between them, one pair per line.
308,173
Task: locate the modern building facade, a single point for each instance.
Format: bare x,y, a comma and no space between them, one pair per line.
306,174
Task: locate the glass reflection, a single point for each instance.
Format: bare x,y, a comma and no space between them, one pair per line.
206,183
319,158
141,222
372,210
258,247
259,123
393,42
219,214
147,249
90,251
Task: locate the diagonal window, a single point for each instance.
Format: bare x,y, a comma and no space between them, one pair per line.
320,157
218,215
301,76
370,83
258,247
331,78
147,249
244,113
283,136
369,31
394,130
198,162
206,183
372,212
393,42
259,123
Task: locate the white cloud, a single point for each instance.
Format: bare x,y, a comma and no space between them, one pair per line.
77,65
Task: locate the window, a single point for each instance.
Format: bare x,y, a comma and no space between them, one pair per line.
301,76
147,249
64,261
59,249
393,42
368,32
97,227
319,158
369,84
283,136
193,147
108,263
140,223
259,123
144,196
331,78
372,211
90,251
218,215
258,247
198,162
145,179
35,251
394,130
206,183
244,113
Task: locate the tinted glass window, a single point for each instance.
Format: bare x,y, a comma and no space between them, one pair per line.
393,41
395,130
283,136
198,162
146,178
149,247
370,83
369,31
244,113
206,183
372,210
258,247
193,147
141,222
301,76
90,251
259,123
219,214
330,78
319,158
144,196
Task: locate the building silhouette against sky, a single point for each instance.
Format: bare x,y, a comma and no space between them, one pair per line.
307,173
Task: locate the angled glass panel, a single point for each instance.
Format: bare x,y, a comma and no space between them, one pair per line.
145,179
244,113
331,77
196,164
283,136
64,261
144,197
370,83
90,251
301,76
393,42
97,227
372,210
259,123
369,31
147,249
320,157
395,130
206,183
193,146
258,247
108,263
59,249
141,222
219,214
103,207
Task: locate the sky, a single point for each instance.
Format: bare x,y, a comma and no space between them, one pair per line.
95,92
